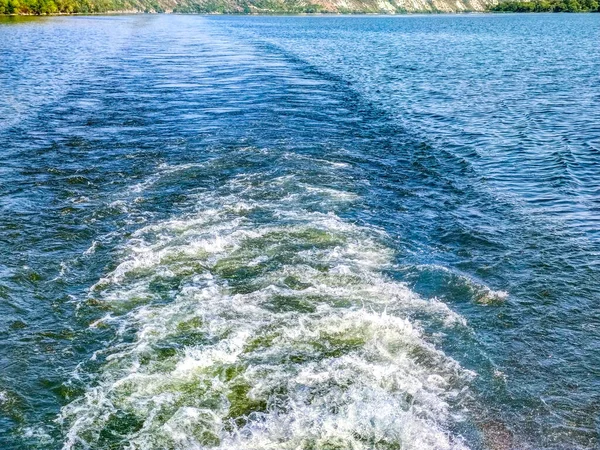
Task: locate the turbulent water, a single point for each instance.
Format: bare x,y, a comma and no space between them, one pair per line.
300,232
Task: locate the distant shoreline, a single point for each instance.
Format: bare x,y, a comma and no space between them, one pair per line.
291,14
274,13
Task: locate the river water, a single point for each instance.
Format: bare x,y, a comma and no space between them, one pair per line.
300,232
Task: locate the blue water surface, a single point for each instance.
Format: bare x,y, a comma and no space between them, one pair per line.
419,196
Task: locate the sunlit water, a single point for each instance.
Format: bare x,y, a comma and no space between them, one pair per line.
300,232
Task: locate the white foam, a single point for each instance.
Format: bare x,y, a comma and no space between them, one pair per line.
315,350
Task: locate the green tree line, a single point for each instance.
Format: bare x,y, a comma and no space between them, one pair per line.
547,6
41,7
44,7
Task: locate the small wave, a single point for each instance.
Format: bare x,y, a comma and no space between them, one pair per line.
162,170
92,248
478,291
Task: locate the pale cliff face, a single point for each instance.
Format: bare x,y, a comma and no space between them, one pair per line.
394,6
327,6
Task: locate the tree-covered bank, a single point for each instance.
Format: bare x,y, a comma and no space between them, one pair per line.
47,7
43,7
547,6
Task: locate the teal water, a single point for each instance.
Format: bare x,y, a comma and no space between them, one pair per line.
300,232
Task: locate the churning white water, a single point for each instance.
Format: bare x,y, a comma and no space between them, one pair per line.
259,321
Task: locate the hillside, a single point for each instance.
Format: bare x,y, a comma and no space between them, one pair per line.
240,6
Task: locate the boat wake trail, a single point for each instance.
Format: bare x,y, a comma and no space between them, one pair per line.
260,319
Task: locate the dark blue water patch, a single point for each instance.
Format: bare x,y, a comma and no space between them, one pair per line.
498,88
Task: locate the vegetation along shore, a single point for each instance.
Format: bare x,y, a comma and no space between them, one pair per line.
48,7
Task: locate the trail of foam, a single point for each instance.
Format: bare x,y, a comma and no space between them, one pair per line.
254,323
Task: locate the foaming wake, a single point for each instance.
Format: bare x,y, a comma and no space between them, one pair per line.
258,321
